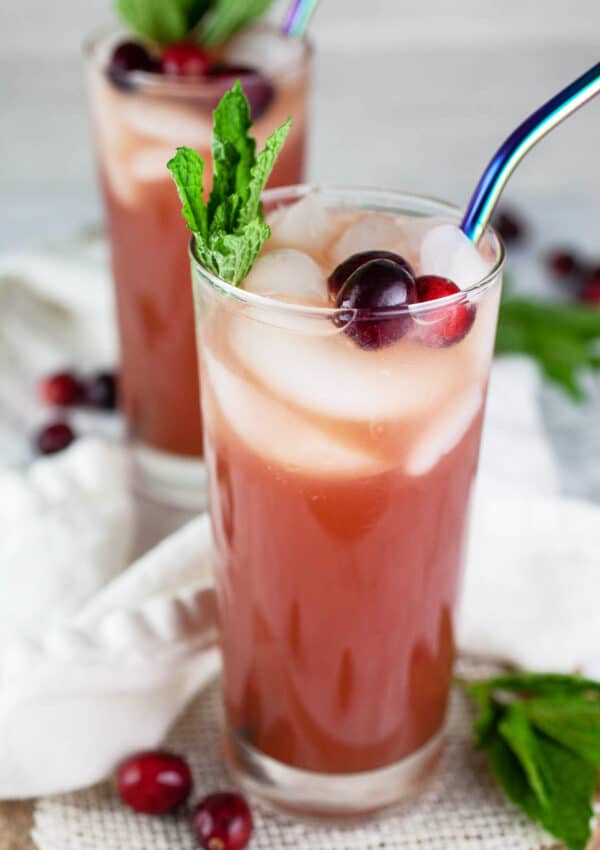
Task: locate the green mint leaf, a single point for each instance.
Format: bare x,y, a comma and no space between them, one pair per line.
489,712
511,777
162,21
260,172
539,684
572,722
187,169
233,150
563,338
515,729
226,17
232,255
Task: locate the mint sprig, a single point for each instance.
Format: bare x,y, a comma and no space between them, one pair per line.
564,339
541,733
211,22
230,230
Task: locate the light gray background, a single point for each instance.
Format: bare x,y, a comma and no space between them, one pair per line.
408,94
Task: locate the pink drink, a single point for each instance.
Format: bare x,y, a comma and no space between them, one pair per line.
136,128
340,481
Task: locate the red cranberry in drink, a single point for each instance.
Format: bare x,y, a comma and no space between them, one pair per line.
127,57
258,89
223,821
60,390
100,391
563,264
154,783
184,60
510,226
447,325
373,289
341,273
54,438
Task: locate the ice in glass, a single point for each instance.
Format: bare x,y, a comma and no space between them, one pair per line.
341,446
138,119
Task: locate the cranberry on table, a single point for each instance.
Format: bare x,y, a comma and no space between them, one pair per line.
154,783
562,263
590,293
374,288
341,273
127,57
100,391
510,226
185,59
440,328
258,89
62,389
54,438
223,821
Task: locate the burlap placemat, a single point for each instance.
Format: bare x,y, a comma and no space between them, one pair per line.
463,810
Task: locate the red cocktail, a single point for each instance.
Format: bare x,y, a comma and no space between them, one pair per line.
138,119
341,446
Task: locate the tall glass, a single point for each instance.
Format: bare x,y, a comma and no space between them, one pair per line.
339,487
137,124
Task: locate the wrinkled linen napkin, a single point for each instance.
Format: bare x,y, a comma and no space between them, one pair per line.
98,665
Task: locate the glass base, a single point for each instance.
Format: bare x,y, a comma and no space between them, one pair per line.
169,479
338,797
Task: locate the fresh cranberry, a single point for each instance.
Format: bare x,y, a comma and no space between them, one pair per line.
258,89
54,438
223,822
562,263
372,290
590,293
61,389
127,57
154,783
447,325
100,391
341,273
185,59
510,226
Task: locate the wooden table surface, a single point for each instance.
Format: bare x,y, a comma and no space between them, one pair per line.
15,826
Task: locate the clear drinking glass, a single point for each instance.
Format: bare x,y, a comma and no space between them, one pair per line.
137,124
339,484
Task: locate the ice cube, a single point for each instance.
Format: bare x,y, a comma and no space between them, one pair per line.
306,225
332,376
275,431
148,164
264,48
445,429
167,123
375,231
446,251
288,274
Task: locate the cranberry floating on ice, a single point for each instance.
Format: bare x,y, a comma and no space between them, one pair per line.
341,273
154,782
223,821
100,391
373,289
448,324
184,59
563,264
127,57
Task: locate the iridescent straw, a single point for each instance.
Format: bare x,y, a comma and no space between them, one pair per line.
520,142
298,17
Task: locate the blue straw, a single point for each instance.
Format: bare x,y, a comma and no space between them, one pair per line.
298,17
520,142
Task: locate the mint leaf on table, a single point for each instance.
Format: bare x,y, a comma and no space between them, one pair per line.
226,17
563,338
162,21
541,733
230,230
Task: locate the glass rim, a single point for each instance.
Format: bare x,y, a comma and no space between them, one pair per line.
148,82
298,191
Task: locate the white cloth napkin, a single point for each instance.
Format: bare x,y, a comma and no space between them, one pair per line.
109,669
